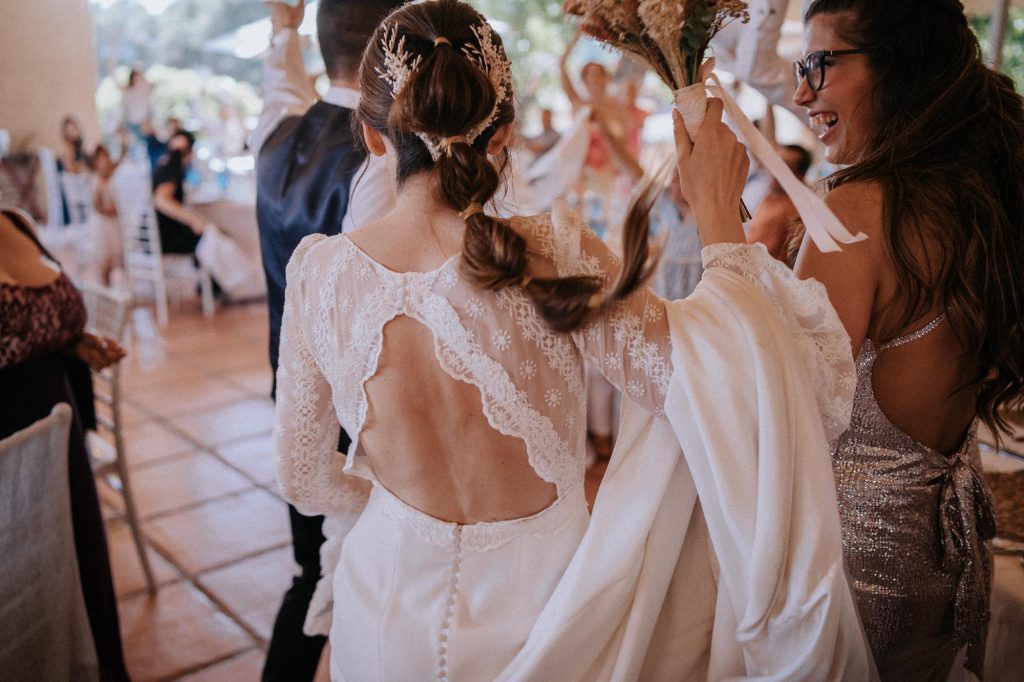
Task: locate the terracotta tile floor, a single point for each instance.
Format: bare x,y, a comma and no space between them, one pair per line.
198,422
198,430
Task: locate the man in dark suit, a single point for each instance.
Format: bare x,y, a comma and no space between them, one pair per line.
311,176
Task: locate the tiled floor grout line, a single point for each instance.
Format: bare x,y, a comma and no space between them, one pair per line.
203,666
196,579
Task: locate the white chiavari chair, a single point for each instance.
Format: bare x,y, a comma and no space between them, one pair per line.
146,266
107,314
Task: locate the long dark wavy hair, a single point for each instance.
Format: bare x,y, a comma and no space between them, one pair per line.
447,95
948,154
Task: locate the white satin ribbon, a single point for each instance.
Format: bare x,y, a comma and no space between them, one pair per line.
821,223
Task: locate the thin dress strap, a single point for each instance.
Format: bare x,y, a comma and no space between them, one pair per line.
22,224
914,336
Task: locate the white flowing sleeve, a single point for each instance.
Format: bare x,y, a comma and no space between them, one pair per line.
629,343
310,470
741,468
804,307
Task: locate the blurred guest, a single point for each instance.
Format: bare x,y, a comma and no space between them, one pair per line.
635,115
155,147
598,164
228,133
136,107
680,267
72,165
107,241
43,354
180,226
312,177
548,137
776,220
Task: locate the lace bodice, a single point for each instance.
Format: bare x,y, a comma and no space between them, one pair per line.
530,378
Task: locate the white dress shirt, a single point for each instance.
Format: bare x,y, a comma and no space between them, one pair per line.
288,91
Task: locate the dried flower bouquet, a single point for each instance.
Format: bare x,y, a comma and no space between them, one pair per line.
670,36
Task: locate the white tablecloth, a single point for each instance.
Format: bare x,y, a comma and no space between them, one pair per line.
238,222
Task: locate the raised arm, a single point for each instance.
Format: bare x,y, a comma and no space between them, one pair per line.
617,143
287,90
563,67
310,470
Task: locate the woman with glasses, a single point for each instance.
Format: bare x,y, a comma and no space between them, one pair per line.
930,145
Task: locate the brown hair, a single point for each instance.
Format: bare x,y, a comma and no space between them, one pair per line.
447,95
948,155
343,27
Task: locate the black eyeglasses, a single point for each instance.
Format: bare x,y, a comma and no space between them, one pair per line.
813,66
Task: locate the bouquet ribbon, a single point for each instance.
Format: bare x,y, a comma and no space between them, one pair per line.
821,223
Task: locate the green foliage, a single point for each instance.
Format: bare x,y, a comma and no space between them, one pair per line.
1013,48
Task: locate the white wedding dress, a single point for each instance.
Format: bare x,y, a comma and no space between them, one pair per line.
638,590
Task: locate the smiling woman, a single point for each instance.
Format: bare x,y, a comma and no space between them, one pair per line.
932,144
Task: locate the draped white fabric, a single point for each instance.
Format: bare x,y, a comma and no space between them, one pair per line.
725,562
643,598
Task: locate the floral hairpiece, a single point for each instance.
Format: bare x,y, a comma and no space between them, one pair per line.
400,64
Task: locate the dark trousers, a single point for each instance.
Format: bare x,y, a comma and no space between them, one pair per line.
292,656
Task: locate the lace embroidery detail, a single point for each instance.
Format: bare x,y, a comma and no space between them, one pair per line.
501,340
507,408
474,308
528,369
559,351
539,230
306,433
449,279
806,310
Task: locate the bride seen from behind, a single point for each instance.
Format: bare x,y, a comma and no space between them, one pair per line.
459,369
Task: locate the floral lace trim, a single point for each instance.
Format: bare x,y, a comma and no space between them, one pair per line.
508,409
806,310
484,537
459,354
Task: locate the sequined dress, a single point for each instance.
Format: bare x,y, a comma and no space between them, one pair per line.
914,524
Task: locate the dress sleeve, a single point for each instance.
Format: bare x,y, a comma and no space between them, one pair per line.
807,312
309,466
630,342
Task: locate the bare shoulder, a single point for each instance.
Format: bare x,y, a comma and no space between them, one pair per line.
859,206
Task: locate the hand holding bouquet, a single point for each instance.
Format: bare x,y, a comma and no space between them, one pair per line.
670,36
